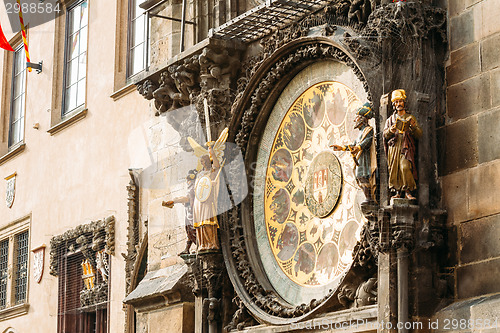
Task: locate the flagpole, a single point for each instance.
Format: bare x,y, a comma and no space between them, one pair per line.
23,30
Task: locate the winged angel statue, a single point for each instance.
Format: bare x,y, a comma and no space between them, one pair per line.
206,190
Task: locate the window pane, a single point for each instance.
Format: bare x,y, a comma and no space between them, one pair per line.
72,72
70,100
18,85
20,124
21,267
81,93
138,29
84,18
16,121
83,40
17,106
82,66
4,257
20,61
74,46
138,10
74,23
139,32
138,59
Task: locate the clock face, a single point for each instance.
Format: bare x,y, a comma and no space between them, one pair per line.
306,197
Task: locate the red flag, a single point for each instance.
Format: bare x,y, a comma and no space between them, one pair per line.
4,44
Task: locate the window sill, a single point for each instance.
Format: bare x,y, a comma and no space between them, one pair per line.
12,153
14,311
123,91
67,121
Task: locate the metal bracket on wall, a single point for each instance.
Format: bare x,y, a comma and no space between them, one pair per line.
36,66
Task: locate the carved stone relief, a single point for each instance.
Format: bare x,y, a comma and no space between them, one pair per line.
89,238
207,74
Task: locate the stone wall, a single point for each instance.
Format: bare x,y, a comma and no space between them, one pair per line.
470,146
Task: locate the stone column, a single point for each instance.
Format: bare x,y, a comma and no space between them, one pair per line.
207,271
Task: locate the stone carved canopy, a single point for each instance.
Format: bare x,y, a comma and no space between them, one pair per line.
87,238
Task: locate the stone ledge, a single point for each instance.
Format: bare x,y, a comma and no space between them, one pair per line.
478,310
123,91
161,288
362,319
72,118
14,311
12,153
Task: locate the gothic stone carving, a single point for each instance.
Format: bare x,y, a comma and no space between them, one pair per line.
207,272
364,294
87,237
265,300
132,231
94,297
241,317
406,19
208,74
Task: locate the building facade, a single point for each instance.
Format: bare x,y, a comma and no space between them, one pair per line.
93,228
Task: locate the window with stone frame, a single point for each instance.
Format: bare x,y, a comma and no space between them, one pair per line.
138,38
14,269
75,63
80,258
13,100
18,99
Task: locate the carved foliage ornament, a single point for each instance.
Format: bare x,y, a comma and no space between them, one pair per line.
89,238
191,80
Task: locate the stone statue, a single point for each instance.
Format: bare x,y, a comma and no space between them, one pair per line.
400,132
188,202
364,153
350,295
206,191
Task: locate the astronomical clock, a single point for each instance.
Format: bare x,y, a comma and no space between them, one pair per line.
307,199
303,217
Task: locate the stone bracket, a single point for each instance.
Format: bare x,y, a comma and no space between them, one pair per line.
206,273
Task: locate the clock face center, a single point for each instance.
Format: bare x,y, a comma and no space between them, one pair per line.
323,184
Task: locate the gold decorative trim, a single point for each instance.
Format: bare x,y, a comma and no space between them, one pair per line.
38,248
66,122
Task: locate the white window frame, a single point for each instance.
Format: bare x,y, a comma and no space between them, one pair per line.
133,16
81,82
19,78
9,233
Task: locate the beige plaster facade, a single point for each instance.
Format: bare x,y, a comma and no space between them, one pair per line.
76,175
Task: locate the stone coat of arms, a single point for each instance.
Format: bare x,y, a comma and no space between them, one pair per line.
38,263
11,190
